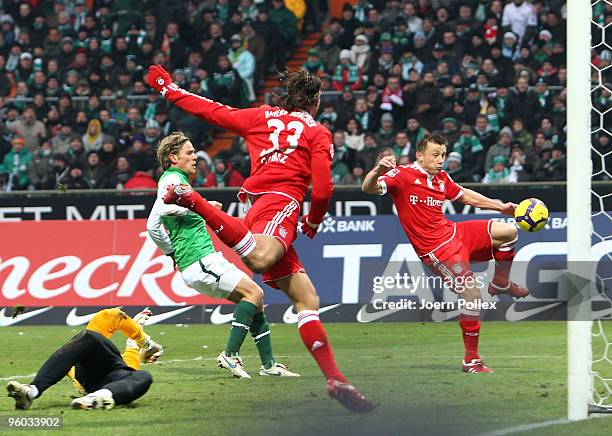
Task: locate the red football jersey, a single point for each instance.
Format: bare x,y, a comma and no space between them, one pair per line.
418,197
288,150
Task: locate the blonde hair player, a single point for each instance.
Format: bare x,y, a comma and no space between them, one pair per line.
182,234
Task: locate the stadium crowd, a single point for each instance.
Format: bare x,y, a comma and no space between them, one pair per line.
75,110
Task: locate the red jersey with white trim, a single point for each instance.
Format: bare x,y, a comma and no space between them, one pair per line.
288,150
418,197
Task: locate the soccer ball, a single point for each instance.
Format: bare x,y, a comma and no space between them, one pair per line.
531,215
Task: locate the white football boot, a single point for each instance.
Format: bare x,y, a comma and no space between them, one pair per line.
277,370
93,401
233,365
19,392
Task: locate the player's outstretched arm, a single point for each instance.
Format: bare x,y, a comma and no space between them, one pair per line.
476,199
370,183
235,120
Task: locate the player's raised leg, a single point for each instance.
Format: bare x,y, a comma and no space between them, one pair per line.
230,230
504,237
258,252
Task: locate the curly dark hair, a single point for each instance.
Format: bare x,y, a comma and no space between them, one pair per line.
301,90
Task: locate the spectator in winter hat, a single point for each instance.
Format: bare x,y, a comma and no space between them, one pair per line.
501,148
152,132
510,47
314,64
347,73
361,53
498,173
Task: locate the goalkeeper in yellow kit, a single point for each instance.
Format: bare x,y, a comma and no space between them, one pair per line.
95,365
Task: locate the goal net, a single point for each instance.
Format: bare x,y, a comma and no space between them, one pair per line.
601,156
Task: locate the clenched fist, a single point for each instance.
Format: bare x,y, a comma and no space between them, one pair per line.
158,78
308,228
385,164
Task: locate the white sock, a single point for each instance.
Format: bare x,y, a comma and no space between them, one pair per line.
245,246
32,392
101,393
305,316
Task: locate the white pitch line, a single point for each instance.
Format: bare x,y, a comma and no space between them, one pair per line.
527,427
14,377
201,358
17,376
177,360
459,356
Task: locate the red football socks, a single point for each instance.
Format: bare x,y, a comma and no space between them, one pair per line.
230,230
470,327
314,337
503,255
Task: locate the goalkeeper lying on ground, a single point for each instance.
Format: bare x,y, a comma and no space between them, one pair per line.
94,364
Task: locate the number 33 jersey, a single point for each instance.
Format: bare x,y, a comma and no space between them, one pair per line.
288,150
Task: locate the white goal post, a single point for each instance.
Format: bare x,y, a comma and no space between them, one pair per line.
579,381
589,345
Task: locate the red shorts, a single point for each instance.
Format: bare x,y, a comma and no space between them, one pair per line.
276,215
472,242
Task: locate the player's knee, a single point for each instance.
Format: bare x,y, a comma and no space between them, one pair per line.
505,232
144,378
511,232
256,294
257,261
471,293
307,301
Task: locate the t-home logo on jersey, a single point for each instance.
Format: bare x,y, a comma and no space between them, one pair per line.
338,225
429,201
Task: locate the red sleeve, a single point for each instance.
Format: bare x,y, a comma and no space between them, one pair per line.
320,167
453,191
389,181
235,120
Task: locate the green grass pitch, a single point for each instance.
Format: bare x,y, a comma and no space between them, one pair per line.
412,369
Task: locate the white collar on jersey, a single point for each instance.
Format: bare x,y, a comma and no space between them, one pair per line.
416,165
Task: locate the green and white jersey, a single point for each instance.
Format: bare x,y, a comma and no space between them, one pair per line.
177,229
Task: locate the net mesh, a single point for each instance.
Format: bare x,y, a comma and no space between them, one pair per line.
601,153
